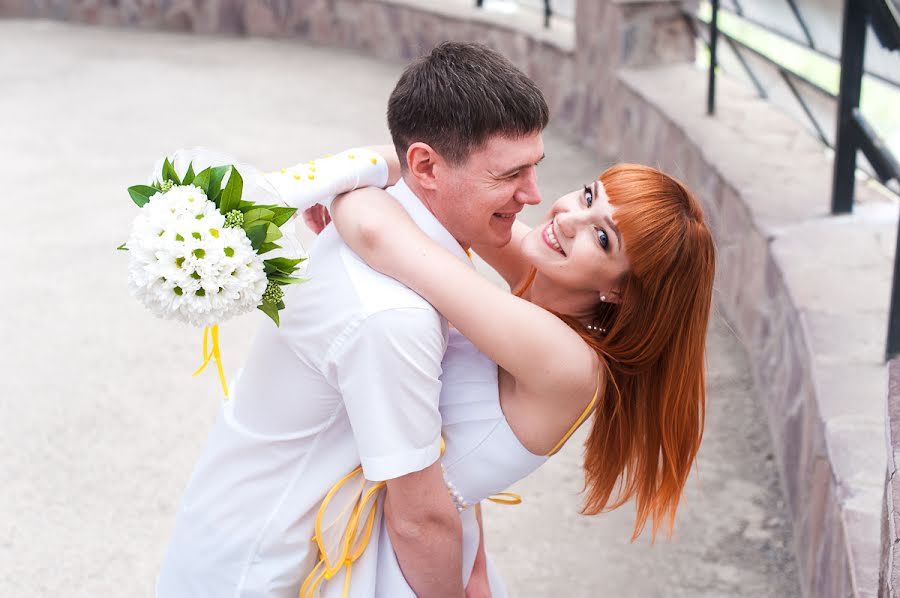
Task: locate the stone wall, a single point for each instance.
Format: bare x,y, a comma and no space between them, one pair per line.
889,581
806,292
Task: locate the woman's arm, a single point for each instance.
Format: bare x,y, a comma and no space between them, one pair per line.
541,352
319,181
508,260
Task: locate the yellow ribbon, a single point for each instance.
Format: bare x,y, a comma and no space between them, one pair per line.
505,498
352,543
212,333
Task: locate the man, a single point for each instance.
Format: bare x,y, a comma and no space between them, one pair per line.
351,377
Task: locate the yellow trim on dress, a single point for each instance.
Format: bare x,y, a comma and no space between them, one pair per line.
351,548
584,415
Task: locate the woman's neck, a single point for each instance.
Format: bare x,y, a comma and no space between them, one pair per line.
553,297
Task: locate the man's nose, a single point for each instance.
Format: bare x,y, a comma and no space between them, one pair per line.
528,193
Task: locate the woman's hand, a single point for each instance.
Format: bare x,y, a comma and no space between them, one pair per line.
478,586
316,218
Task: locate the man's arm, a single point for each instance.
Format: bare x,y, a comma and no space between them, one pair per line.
388,373
426,533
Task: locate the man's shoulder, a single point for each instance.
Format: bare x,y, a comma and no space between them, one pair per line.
340,278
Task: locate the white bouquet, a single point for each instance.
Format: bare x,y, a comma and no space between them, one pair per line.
196,246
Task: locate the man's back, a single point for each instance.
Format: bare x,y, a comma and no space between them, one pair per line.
356,358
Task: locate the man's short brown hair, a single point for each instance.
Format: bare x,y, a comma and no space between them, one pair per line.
458,96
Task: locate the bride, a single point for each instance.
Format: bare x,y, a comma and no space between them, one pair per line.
612,296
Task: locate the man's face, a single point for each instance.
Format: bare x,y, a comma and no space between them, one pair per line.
478,200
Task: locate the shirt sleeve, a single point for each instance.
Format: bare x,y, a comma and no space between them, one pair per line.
388,373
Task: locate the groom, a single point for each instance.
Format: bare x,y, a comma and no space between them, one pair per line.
351,377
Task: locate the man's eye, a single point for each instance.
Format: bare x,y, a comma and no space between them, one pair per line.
588,196
603,238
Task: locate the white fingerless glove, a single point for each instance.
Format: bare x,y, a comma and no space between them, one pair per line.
319,181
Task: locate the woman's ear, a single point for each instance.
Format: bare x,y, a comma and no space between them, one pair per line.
611,296
420,161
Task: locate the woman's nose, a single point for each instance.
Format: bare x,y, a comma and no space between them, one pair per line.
568,222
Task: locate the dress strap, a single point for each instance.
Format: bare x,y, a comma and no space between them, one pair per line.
584,415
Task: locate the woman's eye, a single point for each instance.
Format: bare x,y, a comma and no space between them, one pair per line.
588,196
602,238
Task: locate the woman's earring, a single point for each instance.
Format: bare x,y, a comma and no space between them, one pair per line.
602,297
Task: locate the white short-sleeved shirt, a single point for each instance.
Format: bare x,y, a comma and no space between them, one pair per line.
351,377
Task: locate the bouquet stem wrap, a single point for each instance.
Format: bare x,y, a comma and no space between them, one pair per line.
211,333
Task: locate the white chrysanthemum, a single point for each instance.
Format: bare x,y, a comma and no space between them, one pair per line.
185,265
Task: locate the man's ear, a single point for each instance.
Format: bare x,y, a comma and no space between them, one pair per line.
421,160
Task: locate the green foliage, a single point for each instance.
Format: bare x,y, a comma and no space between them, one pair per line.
282,280
169,174
189,175
271,311
282,215
283,265
214,188
141,194
231,196
256,214
273,233
267,247
202,179
257,235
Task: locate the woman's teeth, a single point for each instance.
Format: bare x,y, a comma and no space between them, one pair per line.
551,236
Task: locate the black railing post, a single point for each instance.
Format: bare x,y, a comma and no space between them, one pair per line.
713,42
846,143
893,334
548,12
479,3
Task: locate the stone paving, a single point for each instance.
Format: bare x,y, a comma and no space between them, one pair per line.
100,421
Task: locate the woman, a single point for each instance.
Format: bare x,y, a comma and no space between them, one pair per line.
612,301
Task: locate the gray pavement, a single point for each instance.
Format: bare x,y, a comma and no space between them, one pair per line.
100,420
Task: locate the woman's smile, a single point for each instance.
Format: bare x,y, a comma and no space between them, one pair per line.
550,238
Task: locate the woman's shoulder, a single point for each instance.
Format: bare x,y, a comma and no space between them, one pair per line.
543,418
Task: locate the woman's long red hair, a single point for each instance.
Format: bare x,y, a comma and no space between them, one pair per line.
648,426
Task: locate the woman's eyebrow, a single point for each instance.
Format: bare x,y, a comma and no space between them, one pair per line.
609,221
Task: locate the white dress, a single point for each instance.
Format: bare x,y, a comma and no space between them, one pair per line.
482,457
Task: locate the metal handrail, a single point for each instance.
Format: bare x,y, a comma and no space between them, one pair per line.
793,38
854,134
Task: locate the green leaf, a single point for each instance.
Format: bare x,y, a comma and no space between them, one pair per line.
141,194
169,173
271,311
286,279
189,175
283,265
231,196
267,247
257,235
202,179
282,215
273,233
257,214
214,189
121,247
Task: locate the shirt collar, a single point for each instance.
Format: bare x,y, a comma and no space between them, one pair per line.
425,220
